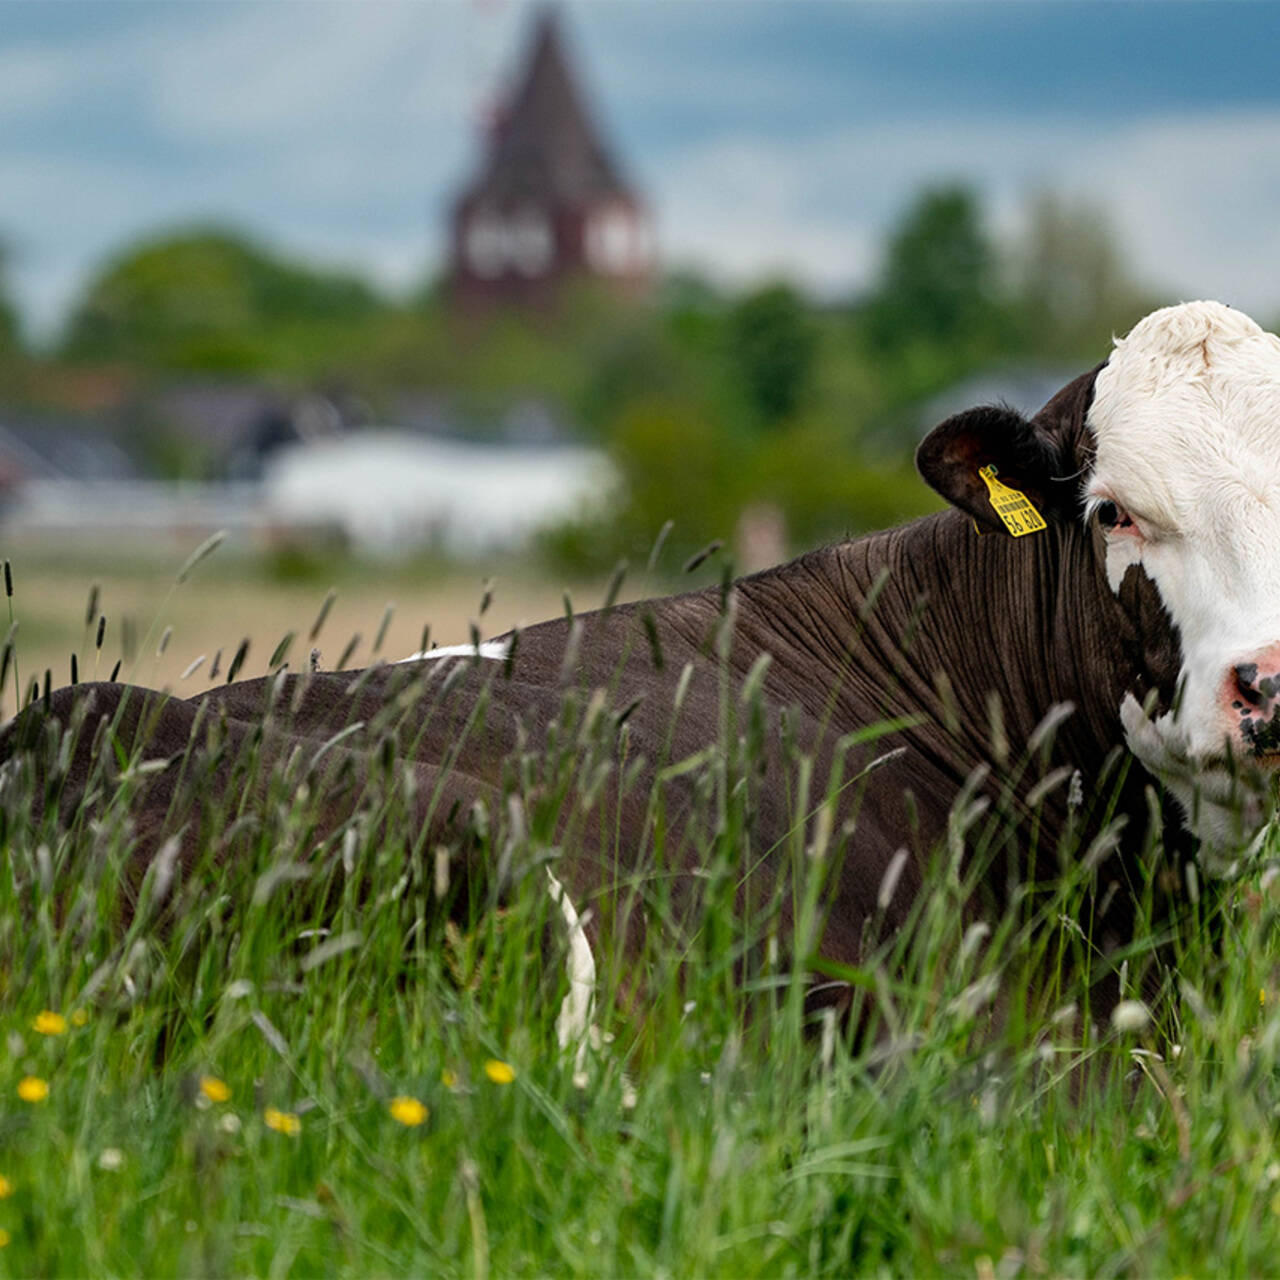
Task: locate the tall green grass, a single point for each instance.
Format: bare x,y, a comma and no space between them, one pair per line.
226,1072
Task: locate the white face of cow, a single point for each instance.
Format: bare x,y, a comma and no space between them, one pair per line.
1186,482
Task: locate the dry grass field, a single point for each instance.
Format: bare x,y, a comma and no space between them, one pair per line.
236,594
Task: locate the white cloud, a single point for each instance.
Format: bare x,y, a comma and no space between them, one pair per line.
283,72
748,207
1192,197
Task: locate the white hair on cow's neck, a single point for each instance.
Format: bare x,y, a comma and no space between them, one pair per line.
1186,425
494,650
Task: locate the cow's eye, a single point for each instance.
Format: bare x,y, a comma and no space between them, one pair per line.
1111,516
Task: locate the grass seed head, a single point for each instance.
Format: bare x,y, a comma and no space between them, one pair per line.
330,597
238,661
206,548
387,614
1130,1015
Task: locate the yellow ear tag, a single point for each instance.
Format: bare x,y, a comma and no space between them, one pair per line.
1015,509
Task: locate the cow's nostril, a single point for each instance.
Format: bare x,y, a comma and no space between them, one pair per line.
1246,683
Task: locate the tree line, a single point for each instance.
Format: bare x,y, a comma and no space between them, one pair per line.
710,401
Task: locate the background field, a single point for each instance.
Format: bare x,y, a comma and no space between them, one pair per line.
243,594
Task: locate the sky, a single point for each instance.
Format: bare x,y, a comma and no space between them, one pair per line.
777,137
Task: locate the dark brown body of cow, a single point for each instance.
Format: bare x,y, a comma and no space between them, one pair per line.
932,622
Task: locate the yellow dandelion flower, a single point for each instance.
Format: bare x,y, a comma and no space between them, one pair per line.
449,1078
6,1187
408,1111
33,1089
499,1072
1262,995
79,1017
285,1122
5,1237
214,1089
48,1023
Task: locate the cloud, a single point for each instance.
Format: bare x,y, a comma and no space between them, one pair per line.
1194,199
765,147
1191,197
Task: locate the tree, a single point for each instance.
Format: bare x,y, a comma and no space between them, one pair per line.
204,299
1072,286
8,312
771,345
939,283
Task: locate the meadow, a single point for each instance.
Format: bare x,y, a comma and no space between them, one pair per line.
295,1062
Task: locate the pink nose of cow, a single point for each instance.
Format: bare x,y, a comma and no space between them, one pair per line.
1254,689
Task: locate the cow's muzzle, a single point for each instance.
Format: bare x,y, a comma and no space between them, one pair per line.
1255,697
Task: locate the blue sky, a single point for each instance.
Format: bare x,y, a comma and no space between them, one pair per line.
774,136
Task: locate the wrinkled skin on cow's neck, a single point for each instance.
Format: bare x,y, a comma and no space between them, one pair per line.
959,619
1032,622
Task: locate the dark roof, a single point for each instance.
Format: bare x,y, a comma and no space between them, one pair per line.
545,145
36,448
219,414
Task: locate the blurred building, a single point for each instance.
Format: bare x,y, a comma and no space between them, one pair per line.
387,491
549,202
36,449
232,428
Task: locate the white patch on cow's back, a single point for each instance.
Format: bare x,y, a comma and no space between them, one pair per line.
495,650
573,1025
1186,423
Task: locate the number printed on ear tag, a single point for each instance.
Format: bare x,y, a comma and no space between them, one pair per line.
1015,509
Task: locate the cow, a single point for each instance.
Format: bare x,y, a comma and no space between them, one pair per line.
1084,644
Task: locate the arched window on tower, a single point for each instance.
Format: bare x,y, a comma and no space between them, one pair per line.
484,244
531,245
616,242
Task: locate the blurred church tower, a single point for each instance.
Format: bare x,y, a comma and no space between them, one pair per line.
548,202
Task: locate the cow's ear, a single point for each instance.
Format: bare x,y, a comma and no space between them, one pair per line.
975,457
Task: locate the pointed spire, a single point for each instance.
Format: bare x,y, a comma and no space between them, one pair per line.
545,143
549,200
